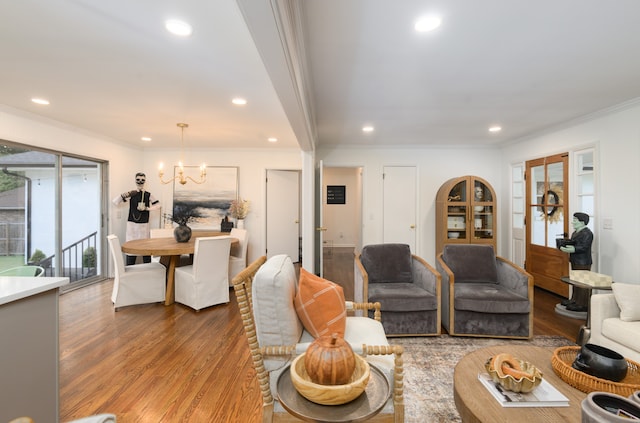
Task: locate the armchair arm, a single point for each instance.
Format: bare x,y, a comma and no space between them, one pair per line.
446,300
424,275
360,280
514,277
603,306
365,306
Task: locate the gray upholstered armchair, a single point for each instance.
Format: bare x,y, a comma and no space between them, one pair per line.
484,295
406,286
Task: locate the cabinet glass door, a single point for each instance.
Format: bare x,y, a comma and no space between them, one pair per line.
457,212
482,207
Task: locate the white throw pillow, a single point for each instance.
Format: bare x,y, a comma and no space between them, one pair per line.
628,299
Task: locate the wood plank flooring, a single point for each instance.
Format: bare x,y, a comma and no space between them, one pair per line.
153,363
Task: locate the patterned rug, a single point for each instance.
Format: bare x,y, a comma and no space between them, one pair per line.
428,371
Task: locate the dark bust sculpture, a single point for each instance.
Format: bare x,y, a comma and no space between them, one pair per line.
579,250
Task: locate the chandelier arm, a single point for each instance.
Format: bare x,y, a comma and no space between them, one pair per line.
202,180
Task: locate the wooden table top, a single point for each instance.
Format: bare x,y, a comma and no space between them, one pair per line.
168,246
476,404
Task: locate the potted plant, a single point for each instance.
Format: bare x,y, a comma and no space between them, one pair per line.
182,216
239,209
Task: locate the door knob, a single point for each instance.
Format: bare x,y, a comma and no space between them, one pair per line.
412,226
321,229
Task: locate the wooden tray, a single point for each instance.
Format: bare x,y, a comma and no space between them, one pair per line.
561,362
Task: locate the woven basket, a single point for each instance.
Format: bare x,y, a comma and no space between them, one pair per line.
561,362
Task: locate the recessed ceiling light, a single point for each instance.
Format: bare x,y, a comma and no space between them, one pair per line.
179,28
495,128
40,101
239,101
272,139
427,23
146,138
367,128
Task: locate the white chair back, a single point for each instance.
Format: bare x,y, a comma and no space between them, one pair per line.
161,233
116,253
240,250
206,281
211,259
136,284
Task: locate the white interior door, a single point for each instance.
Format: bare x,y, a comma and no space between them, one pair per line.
283,213
319,219
399,205
518,240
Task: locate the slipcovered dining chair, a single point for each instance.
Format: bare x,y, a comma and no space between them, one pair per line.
268,293
483,294
238,256
407,287
135,284
206,281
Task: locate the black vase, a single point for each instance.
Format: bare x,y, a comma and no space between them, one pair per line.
601,362
182,233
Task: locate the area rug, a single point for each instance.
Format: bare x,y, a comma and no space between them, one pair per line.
428,371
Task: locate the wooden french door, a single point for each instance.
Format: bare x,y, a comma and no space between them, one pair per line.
547,205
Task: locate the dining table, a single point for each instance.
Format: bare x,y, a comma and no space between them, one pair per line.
169,250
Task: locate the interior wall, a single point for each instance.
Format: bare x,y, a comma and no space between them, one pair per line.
617,137
435,166
342,220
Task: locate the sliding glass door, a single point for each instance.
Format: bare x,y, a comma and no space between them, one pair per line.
51,208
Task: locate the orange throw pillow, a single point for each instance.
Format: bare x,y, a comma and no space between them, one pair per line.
320,305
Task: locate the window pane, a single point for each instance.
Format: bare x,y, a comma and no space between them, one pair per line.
585,162
537,184
80,217
538,225
586,204
585,184
27,215
518,220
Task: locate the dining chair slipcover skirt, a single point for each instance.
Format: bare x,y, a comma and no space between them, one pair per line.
138,283
238,257
206,281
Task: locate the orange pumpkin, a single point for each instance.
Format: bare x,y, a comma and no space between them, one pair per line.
329,360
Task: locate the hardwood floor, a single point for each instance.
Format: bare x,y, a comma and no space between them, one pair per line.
152,363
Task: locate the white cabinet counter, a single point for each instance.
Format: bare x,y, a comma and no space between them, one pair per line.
29,355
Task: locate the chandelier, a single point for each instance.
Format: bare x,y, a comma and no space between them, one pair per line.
180,177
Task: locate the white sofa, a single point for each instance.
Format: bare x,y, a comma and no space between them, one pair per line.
610,330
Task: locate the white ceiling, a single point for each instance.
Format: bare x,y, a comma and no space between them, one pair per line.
318,70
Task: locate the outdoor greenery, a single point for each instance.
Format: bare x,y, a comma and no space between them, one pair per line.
89,257
37,256
9,182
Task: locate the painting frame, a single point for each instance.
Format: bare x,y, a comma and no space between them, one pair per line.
210,199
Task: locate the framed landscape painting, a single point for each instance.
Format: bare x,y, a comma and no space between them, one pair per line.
209,200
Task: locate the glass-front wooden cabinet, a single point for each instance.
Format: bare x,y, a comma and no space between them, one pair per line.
465,212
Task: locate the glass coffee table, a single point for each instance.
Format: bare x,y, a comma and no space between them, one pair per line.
367,405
